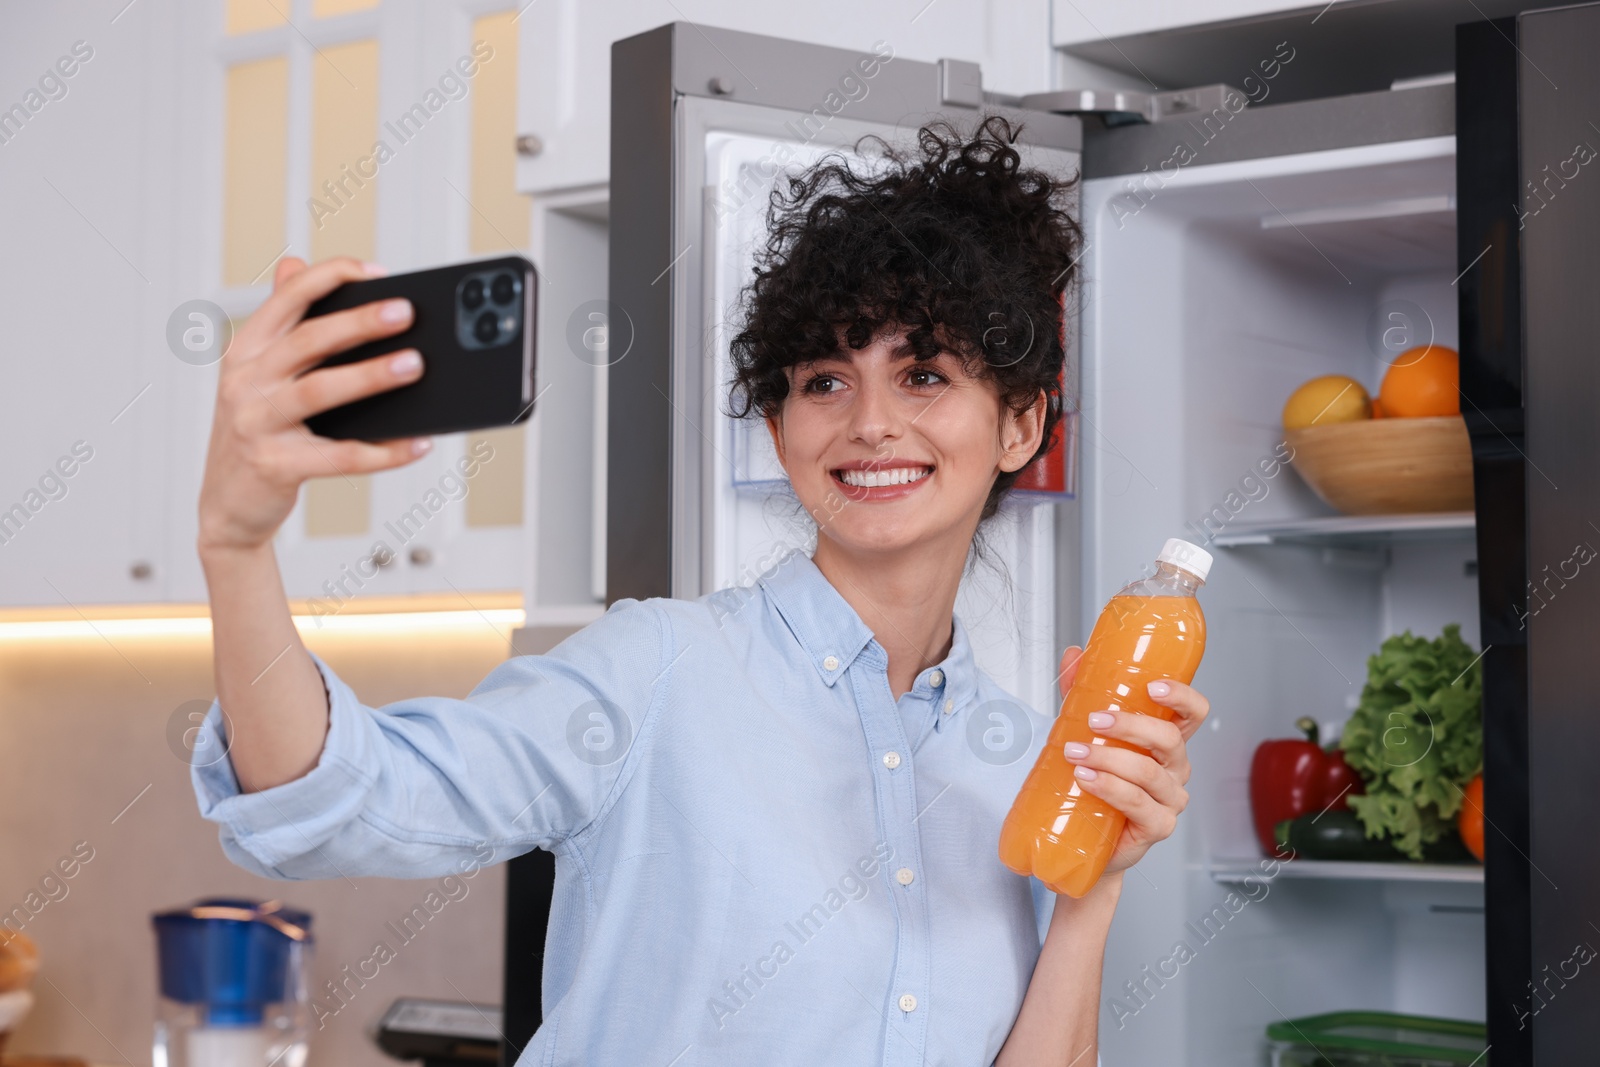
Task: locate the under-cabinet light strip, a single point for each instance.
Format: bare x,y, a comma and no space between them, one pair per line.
388,622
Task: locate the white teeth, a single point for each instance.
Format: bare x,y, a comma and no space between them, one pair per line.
885,476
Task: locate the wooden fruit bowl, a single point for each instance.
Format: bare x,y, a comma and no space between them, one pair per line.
1387,466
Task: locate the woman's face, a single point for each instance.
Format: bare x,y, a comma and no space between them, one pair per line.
886,451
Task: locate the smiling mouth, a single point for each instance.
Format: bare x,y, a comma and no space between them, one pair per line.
882,476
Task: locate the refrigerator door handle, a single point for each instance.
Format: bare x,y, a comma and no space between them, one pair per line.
1121,106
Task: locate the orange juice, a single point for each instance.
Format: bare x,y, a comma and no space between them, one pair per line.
1152,629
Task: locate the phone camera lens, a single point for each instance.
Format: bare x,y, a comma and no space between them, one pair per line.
503,289
487,327
472,294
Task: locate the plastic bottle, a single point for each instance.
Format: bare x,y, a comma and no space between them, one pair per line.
1151,629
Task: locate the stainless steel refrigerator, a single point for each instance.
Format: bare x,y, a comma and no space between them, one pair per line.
1230,253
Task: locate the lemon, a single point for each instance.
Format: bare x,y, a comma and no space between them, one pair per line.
1330,398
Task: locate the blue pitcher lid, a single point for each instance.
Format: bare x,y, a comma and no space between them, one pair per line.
290,922
230,956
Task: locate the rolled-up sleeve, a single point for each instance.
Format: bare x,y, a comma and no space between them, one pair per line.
413,789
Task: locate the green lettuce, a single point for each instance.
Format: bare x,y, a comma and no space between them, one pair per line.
1416,738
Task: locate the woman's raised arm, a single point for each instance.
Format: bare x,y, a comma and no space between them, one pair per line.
260,452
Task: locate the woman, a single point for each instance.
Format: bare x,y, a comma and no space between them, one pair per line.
774,818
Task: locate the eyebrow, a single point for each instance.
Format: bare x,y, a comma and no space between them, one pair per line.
901,349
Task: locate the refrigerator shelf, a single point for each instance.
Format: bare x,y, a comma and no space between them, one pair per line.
1236,870
1348,531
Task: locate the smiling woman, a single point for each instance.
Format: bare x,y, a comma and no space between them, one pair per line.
699,767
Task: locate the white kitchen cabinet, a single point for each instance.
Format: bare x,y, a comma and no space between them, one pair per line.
81,508
81,516
565,90
111,253
425,521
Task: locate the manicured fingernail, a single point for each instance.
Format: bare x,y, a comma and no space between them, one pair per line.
1159,689
1088,774
375,270
1076,750
406,363
1099,720
421,445
395,310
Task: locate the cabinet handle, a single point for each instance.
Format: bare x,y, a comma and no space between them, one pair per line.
381,557
141,571
529,144
721,86
421,556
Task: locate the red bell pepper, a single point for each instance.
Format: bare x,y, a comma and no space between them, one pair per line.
1292,777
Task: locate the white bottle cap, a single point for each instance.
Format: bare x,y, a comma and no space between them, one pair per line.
1192,558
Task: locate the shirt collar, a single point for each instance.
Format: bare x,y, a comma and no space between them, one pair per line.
833,635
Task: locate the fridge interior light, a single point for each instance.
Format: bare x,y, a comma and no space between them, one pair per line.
1383,209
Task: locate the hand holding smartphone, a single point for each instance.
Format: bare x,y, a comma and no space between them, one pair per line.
473,323
377,362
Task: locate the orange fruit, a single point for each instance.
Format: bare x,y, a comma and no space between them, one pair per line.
1422,382
1470,821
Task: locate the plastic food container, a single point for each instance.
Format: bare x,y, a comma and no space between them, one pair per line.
1376,1039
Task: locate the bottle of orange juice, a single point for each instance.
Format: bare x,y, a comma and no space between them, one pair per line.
1152,629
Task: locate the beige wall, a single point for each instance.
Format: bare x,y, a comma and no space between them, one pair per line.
83,729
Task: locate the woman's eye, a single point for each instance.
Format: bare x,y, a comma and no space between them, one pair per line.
821,383
922,376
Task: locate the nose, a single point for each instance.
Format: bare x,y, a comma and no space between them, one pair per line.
876,417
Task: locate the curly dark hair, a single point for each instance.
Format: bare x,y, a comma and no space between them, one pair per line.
957,243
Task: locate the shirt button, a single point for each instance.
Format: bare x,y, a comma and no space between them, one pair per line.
831,663
904,876
908,1002
936,679
891,760
949,706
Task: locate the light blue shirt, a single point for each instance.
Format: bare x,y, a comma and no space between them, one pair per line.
762,857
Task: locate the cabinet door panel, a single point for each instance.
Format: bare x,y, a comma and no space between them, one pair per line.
462,526
329,548
80,293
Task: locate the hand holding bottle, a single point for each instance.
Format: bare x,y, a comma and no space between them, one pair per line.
1149,790
1109,783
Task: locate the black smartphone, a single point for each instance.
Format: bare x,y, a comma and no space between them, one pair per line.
474,325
